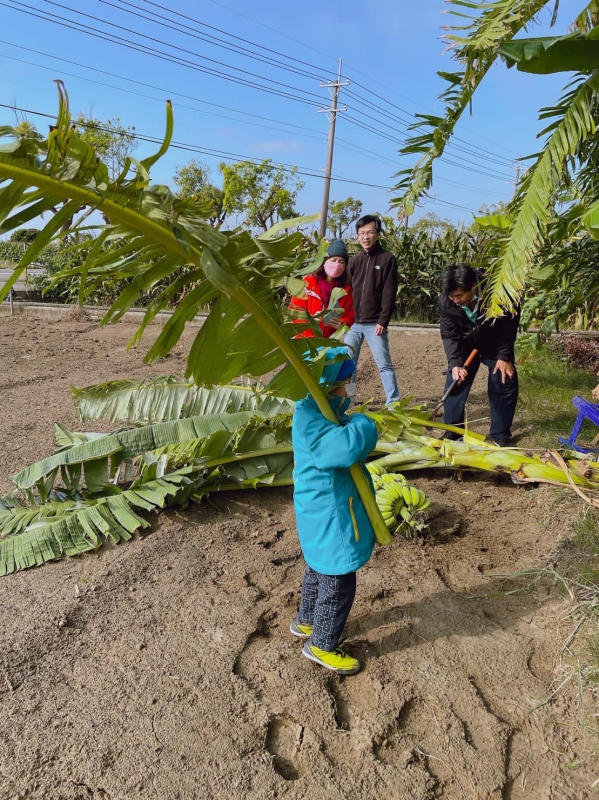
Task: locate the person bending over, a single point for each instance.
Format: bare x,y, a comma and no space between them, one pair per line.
464,328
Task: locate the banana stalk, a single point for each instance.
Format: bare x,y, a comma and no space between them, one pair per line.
416,451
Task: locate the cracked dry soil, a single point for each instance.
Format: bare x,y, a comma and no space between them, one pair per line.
164,668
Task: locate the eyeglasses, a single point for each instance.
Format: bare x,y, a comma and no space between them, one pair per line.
363,234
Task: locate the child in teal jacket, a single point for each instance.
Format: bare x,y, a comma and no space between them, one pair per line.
335,533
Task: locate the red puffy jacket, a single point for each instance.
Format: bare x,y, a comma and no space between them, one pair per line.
312,302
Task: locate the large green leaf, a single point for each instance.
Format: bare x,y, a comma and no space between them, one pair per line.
476,46
572,123
132,442
543,56
169,397
591,220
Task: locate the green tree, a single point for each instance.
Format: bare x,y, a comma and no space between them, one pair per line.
193,180
112,141
264,192
27,130
192,177
24,235
433,225
341,215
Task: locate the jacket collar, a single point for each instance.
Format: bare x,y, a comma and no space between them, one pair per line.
335,402
374,251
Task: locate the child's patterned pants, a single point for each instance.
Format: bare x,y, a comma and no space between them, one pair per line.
325,604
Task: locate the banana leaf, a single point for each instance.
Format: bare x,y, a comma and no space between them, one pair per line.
546,55
169,397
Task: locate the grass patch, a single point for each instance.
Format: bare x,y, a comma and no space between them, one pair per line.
547,387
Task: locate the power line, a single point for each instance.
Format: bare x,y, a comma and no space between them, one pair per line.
156,54
169,92
317,135
185,62
128,91
462,165
217,73
376,81
217,42
240,38
343,143
141,14
227,156
168,44
410,115
403,110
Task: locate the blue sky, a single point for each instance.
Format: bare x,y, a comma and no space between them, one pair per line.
390,48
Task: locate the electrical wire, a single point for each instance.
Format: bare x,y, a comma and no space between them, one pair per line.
319,135
227,156
161,55
168,92
411,117
339,142
185,62
161,41
239,38
209,38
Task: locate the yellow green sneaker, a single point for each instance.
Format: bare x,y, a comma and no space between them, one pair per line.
336,660
301,629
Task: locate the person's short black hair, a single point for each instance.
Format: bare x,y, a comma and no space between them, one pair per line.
457,276
366,219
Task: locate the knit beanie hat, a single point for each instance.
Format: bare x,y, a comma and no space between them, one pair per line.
337,248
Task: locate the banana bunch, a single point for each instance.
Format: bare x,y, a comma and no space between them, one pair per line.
398,500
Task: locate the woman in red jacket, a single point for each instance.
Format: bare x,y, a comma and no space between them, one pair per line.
320,284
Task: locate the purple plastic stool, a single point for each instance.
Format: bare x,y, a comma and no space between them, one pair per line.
588,411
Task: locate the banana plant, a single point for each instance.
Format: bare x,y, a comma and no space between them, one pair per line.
108,482
159,235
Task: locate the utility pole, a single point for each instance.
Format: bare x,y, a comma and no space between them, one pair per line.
333,110
518,169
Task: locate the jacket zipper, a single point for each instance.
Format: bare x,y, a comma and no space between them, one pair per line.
364,280
353,519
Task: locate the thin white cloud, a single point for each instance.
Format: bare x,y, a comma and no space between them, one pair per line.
275,146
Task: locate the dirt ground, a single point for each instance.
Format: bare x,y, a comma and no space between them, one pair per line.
164,668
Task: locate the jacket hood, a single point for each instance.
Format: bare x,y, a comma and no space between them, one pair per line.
340,370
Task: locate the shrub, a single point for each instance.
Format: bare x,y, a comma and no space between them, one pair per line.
580,352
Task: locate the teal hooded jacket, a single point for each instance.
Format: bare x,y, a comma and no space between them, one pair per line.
335,533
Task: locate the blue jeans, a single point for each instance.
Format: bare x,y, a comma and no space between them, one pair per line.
325,604
379,347
503,398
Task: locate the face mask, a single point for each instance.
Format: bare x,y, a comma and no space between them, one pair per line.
351,390
333,268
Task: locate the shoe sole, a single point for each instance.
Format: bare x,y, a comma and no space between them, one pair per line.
309,655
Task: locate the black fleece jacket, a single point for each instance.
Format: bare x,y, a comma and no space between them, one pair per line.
493,338
373,278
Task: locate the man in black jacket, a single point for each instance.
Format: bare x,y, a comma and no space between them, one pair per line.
464,328
373,278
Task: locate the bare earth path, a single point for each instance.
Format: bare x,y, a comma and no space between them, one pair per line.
163,668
